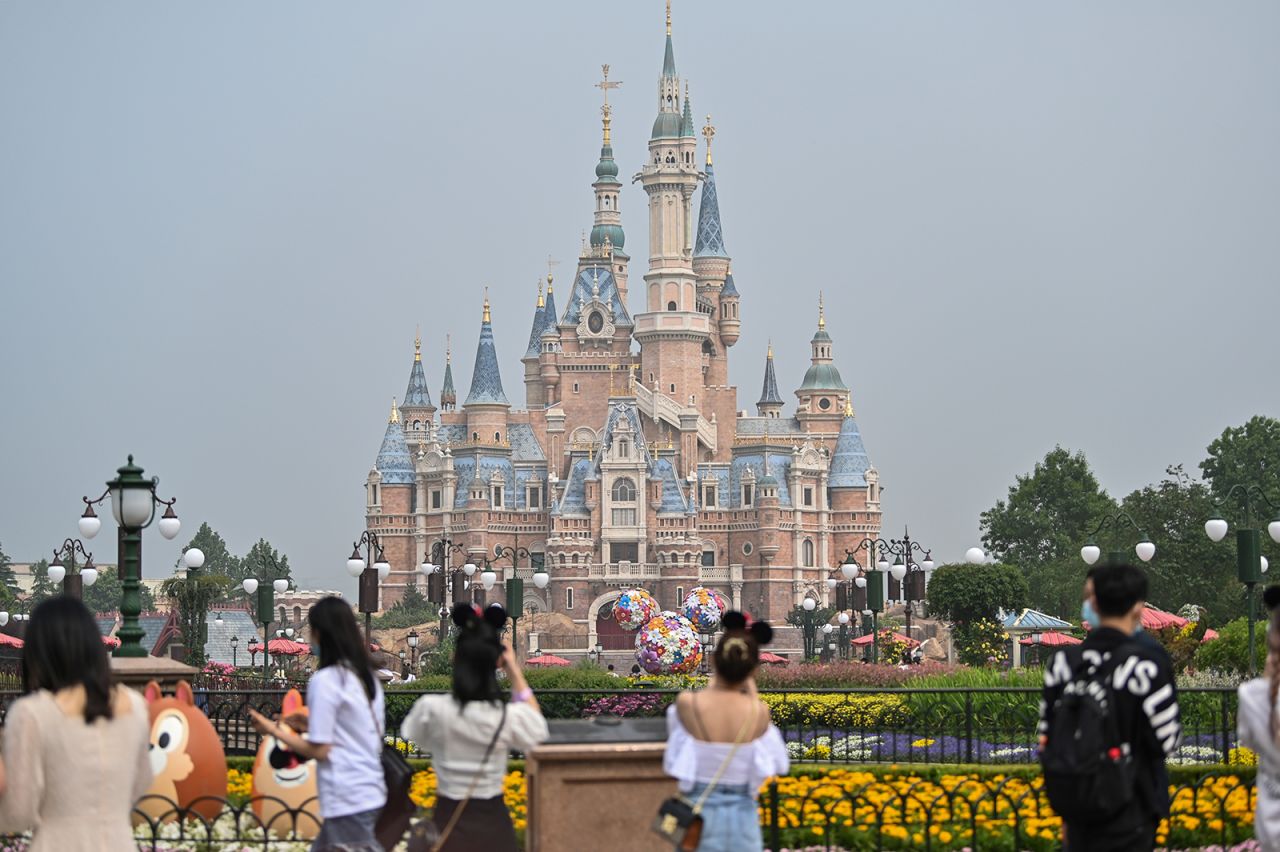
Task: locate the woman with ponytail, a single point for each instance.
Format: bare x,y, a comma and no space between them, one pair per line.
470,731
721,745
1258,728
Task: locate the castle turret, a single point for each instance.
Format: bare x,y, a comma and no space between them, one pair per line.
417,410
534,396
822,394
770,403
486,403
710,259
448,396
607,237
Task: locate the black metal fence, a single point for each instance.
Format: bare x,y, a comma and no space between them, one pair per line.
836,726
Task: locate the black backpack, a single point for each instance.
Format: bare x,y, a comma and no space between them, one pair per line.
1089,771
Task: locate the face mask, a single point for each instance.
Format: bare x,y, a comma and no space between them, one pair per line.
1088,614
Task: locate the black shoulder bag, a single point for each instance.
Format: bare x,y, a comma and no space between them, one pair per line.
394,819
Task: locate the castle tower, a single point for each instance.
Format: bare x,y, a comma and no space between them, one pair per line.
671,330
417,410
710,259
548,346
534,396
823,394
448,396
486,404
770,402
607,237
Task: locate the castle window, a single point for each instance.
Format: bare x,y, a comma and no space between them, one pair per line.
808,495
283,618
534,498
747,548
624,448
673,387
808,552
475,436
417,424
624,490
624,517
671,306
496,496
709,495
628,551
748,495
575,387
297,615
679,597
568,598
824,403
708,557
436,498
374,490
497,437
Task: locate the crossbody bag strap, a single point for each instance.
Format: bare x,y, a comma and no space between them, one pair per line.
728,758
484,761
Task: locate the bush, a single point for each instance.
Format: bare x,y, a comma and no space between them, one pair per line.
632,705
845,675
837,711
1230,651
992,711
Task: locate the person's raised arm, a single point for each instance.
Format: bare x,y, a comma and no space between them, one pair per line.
520,690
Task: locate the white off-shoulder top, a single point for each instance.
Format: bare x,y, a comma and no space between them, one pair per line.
693,761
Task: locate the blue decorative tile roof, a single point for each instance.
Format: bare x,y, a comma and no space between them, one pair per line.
486,378
152,626
624,410
720,474
591,281
237,623
729,288
417,395
549,315
779,467
1033,620
672,497
464,469
669,58
823,377
575,489
452,433
524,443
686,121
769,393
394,462
849,463
710,242
448,396
535,333
755,427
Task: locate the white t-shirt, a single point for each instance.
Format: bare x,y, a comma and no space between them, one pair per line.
350,781
1253,726
457,739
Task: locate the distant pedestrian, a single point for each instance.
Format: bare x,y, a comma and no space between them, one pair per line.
635,671
470,732
1109,718
721,745
75,746
343,731
1258,727
612,673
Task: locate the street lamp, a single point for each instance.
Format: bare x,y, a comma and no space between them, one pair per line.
595,653
902,549
1090,553
412,639
826,636
1250,563
266,598
442,587
133,505
515,586
73,582
808,605
235,643
371,569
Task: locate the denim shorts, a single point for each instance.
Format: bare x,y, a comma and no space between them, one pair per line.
350,833
730,819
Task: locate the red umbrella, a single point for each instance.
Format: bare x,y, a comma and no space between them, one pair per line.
547,660
773,659
1158,619
1051,639
10,641
897,637
111,641
287,648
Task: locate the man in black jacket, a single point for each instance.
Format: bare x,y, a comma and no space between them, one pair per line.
1146,707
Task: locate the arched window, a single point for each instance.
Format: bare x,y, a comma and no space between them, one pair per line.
297,614
671,306
624,448
624,490
808,552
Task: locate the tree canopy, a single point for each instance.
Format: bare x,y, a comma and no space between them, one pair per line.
105,594
1246,455
263,562
217,558
8,582
964,593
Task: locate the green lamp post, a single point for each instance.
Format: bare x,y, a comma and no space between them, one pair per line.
1145,548
1250,563
440,579
133,505
515,586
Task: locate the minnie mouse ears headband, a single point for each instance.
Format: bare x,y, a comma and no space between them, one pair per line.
734,620
1271,596
469,617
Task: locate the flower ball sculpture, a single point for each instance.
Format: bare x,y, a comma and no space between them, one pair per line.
634,608
704,608
667,644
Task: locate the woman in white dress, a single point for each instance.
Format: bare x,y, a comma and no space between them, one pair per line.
1258,727
721,744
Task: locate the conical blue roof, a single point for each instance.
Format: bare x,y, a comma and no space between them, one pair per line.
849,463
394,462
669,59
535,333
448,396
486,379
549,315
769,393
710,242
729,288
417,395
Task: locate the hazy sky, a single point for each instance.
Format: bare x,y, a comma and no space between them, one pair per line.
220,222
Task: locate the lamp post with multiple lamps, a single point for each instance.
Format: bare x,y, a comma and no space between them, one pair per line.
1144,549
879,549
266,600
808,605
133,505
441,587
371,568
1250,563
514,586
73,582
844,600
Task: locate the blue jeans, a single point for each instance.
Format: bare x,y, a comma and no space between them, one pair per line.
730,819
350,833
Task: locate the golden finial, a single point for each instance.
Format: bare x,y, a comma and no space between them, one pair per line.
822,317
541,303
417,344
668,17
607,111
848,406
708,131
395,412
551,265
486,304
770,355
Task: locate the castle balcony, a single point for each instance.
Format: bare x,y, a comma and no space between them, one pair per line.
623,573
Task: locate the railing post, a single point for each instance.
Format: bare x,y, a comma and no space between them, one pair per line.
775,831
1223,696
968,727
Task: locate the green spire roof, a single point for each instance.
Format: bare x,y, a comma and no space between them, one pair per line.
686,123
669,60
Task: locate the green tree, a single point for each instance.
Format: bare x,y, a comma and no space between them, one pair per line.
963,593
41,587
410,611
105,594
1245,455
1188,568
217,558
8,581
264,563
1041,526
1230,651
193,595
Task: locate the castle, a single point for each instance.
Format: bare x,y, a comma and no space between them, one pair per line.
631,464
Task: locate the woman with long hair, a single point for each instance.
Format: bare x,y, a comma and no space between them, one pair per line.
470,731
721,744
1258,728
75,746
344,731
